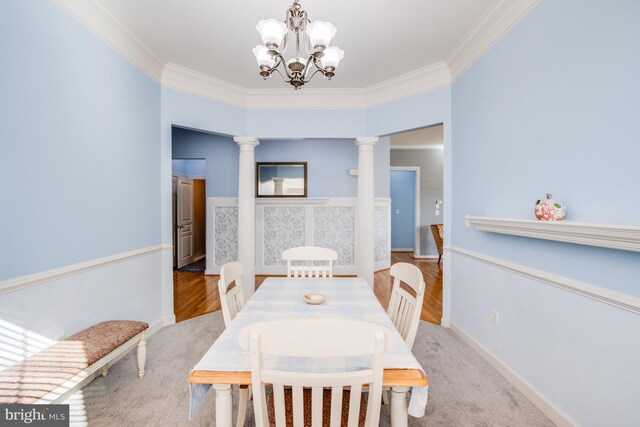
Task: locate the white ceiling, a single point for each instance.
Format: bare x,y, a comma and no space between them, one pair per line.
429,136
382,39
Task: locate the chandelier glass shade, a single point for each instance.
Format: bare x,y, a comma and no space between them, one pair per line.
313,53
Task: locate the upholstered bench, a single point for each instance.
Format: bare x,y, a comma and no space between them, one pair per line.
55,373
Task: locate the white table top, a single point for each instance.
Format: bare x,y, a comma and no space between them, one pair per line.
279,298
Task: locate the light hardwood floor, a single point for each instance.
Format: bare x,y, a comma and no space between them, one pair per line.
195,294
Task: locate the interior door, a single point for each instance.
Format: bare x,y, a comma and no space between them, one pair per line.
184,222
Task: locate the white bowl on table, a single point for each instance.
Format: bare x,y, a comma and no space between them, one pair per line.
314,299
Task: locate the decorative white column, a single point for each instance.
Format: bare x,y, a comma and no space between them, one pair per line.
247,211
278,183
364,220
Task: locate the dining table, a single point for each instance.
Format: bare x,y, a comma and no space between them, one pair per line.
226,364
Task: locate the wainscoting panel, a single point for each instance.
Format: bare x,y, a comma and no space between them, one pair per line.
334,227
283,228
286,223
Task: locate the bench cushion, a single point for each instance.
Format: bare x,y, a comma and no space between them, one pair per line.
36,376
103,338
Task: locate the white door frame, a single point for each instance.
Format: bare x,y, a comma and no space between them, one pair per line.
416,227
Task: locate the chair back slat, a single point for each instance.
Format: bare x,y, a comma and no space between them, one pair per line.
354,405
278,399
231,298
336,406
290,338
310,255
404,308
317,396
298,406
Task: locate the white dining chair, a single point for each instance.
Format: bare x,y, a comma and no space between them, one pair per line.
232,301
311,256
316,397
404,307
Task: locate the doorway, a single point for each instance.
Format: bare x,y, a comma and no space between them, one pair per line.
405,209
189,216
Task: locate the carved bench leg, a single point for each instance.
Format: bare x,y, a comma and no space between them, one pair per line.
142,355
105,370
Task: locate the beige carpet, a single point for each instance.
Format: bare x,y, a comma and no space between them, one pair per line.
464,389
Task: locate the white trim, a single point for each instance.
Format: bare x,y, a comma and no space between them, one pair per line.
417,147
15,284
98,17
555,414
607,296
416,226
614,236
422,80
501,16
309,98
427,257
166,321
290,201
184,79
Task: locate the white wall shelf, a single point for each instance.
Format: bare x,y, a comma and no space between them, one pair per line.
614,236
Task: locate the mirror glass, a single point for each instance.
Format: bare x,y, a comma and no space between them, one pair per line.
281,179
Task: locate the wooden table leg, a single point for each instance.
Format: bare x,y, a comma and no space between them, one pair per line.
399,414
224,405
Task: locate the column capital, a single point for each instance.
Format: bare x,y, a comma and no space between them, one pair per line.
363,141
246,140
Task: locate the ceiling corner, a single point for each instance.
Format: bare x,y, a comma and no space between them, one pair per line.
98,17
492,25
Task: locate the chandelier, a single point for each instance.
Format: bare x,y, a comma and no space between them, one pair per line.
314,37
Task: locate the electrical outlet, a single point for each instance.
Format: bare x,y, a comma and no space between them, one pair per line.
397,211
495,317
437,212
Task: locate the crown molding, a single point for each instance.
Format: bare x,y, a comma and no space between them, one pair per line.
98,17
184,79
421,80
432,77
501,16
307,98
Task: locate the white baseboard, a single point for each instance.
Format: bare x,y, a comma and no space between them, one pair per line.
436,256
555,414
444,322
169,320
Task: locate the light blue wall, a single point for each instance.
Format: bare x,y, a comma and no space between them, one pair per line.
403,209
321,123
553,107
189,167
328,163
381,163
79,144
220,154
179,166
185,110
